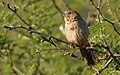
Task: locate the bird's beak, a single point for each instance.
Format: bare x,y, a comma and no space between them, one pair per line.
62,15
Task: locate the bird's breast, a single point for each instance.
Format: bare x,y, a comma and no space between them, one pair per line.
71,32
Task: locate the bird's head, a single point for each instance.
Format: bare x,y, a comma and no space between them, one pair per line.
70,16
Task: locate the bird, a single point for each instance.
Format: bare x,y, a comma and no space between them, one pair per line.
76,32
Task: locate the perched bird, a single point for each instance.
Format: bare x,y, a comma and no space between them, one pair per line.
77,32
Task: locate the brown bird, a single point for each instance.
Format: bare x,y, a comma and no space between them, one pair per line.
77,32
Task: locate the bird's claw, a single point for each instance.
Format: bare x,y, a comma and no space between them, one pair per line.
73,45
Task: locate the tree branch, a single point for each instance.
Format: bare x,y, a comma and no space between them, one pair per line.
108,49
38,62
104,67
105,19
15,12
65,5
54,3
32,30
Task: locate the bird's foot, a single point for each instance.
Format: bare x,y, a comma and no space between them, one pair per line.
73,45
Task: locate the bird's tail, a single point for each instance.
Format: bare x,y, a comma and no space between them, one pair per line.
89,56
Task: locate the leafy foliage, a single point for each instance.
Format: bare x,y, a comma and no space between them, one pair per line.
18,47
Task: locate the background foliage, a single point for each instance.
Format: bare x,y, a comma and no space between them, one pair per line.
19,47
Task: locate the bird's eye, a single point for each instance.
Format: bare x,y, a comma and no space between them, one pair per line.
75,17
69,13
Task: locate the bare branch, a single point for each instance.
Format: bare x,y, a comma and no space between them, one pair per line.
43,36
90,48
71,54
60,49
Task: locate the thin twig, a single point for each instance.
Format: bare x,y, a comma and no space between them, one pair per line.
108,49
51,41
38,62
0,65
93,49
65,5
54,3
15,12
60,40
44,38
98,45
108,56
50,38
104,67
104,19
100,3
71,54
